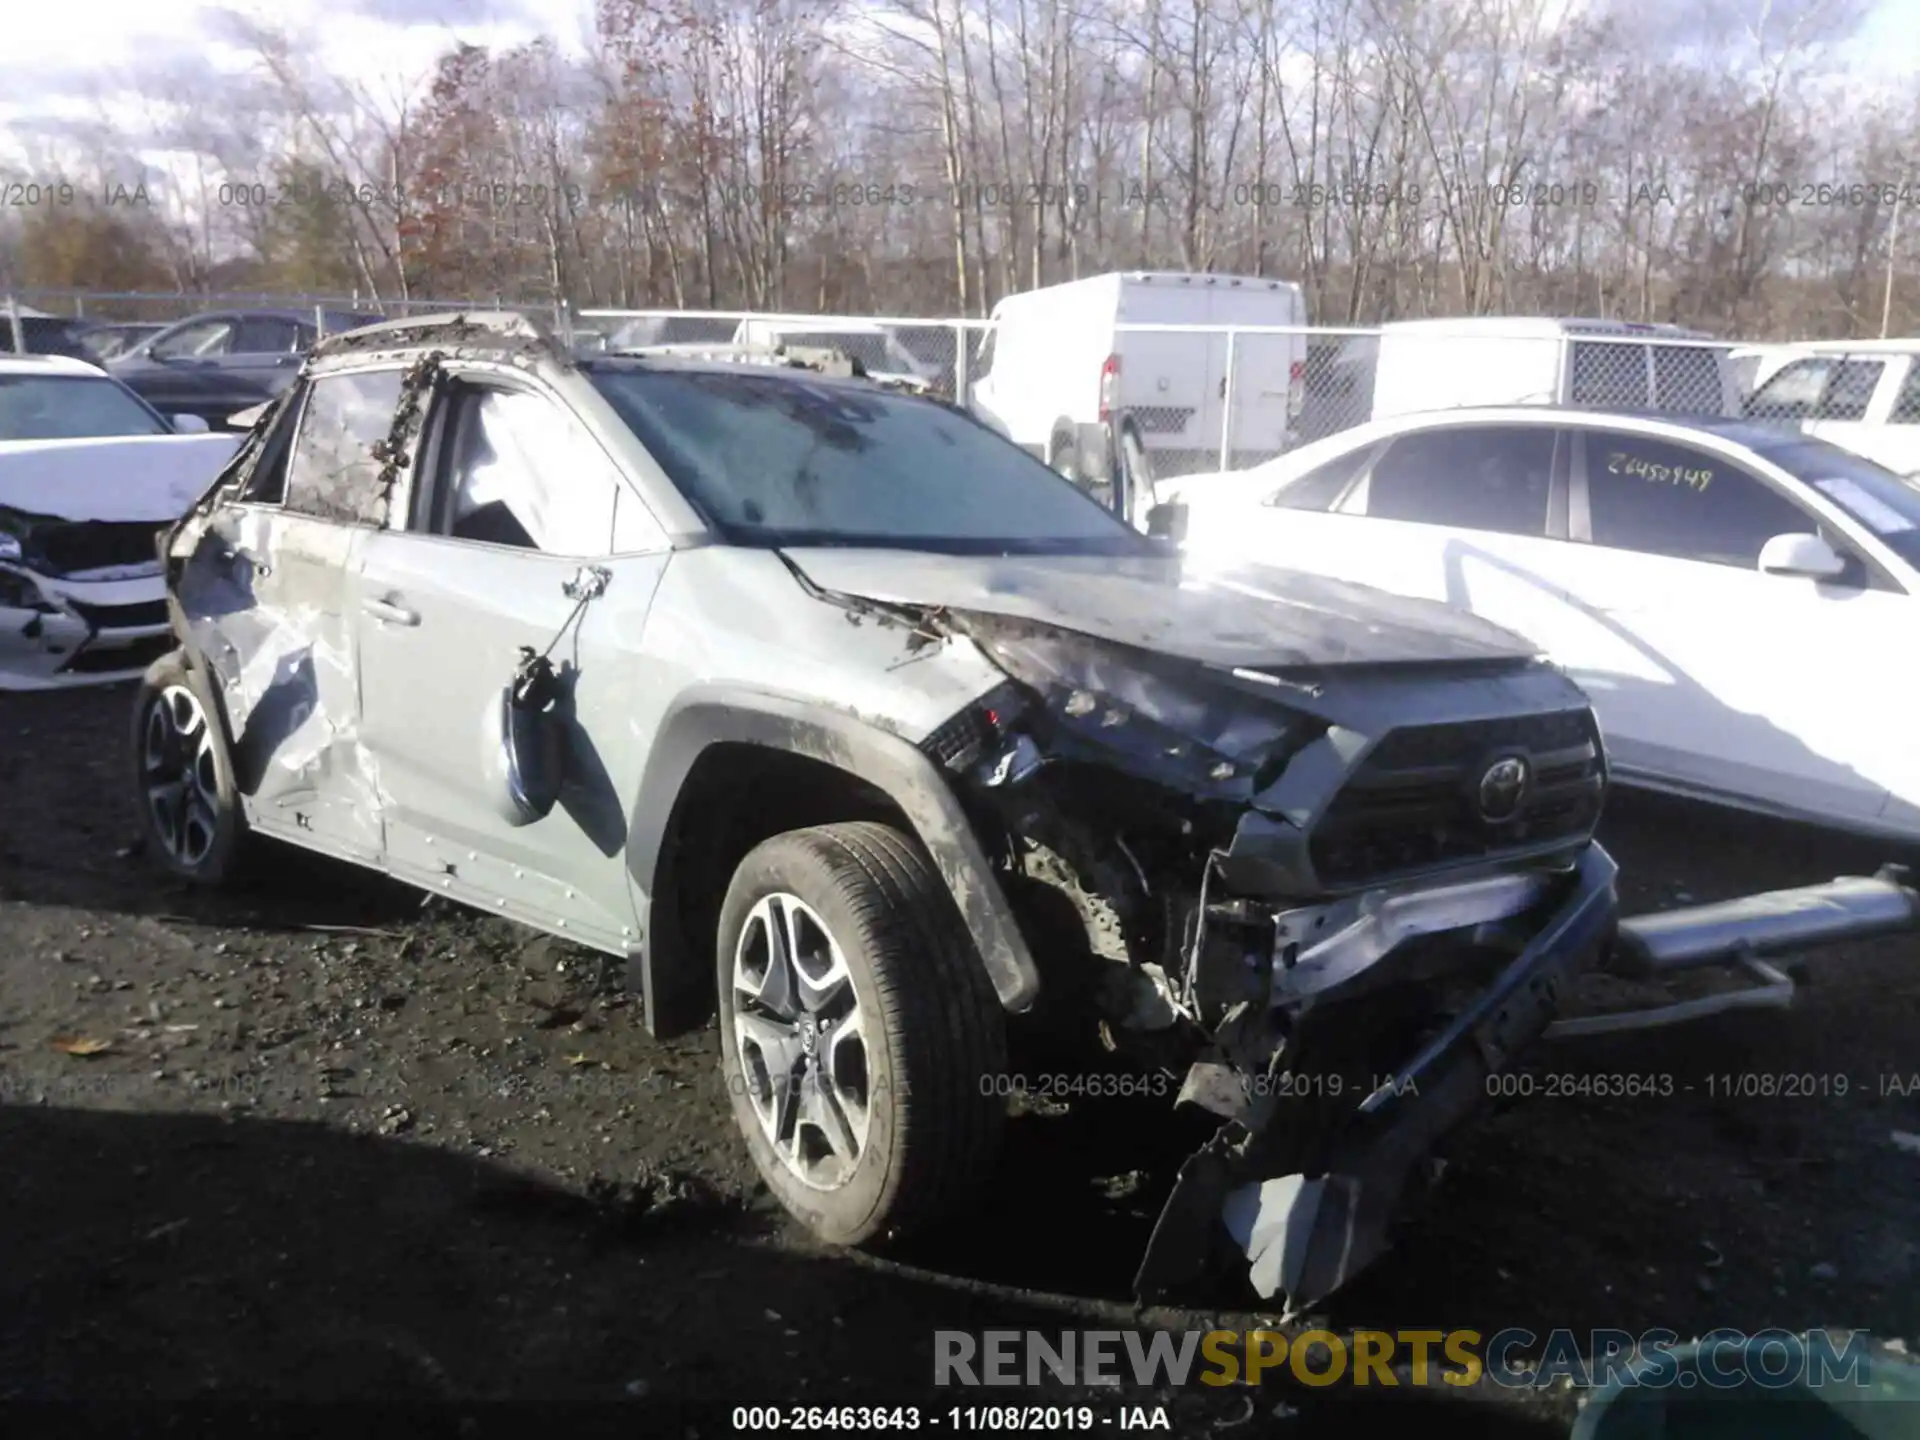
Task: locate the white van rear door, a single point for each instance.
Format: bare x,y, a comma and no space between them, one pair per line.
1168,376
1264,368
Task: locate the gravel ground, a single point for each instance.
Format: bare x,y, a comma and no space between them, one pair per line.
337,1144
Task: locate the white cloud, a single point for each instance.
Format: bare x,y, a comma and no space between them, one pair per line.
82,62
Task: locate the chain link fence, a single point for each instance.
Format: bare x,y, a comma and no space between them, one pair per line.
938,352
1199,398
1191,398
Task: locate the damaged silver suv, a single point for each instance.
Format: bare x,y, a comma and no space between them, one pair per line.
834,712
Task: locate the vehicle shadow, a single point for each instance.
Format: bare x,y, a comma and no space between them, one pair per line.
164,1258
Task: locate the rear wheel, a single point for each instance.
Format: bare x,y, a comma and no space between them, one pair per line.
860,1040
183,776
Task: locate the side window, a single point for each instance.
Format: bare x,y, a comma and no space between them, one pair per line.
983,357
1321,487
1660,498
1850,389
516,470
1906,405
1792,394
1481,477
267,485
264,335
209,337
335,474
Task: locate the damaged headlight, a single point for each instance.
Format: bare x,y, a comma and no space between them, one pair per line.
18,592
982,726
1176,728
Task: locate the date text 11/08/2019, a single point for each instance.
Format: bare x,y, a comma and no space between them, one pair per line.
1028,1419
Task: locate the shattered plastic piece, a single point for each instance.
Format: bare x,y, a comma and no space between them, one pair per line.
1273,1222
1905,1140
81,1045
1216,1088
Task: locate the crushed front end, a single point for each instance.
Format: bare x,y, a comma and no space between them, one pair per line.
81,601
1332,899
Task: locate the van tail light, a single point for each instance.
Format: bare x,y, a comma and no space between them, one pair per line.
1109,384
1297,389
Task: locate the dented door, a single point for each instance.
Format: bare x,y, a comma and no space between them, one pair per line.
266,593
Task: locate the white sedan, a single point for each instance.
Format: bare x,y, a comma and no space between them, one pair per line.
89,476
1741,602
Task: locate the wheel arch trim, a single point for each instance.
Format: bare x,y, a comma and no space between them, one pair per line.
710,715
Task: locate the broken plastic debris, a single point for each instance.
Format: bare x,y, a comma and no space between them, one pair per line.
1907,1141
81,1044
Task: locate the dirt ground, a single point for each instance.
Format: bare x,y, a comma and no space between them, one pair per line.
345,1146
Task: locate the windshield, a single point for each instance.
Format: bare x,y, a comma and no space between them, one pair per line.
71,407
1878,499
774,458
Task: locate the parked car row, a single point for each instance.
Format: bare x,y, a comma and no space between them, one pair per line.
210,365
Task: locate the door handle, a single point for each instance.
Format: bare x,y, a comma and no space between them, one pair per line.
388,613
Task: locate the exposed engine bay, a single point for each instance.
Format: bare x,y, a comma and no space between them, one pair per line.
1332,926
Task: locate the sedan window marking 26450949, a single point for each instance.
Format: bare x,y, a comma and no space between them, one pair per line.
1621,463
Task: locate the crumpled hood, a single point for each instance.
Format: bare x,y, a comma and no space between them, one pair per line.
129,477
1253,615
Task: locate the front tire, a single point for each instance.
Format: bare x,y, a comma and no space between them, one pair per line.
189,806
860,1040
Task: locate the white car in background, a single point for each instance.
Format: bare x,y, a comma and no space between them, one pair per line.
89,475
876,347
1741,602
1863,395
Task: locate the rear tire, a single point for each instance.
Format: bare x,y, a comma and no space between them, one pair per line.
190,815
860,1040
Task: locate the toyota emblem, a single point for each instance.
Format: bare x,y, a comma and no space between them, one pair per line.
1502,789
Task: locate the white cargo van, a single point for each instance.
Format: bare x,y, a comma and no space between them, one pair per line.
1059,373
1532,360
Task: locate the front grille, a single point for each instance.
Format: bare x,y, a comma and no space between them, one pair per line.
121,617
1414,803
96,545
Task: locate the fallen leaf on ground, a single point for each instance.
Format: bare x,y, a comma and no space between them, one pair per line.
81,1044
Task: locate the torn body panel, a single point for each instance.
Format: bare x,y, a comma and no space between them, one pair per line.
1338,899
262,595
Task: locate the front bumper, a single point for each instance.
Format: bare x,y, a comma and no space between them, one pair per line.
1303,1236
79,630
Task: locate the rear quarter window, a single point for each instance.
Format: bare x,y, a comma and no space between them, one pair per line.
334,473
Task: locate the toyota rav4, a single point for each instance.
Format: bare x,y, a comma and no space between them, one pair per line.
842,719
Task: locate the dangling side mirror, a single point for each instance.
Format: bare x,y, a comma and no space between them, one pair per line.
526,743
